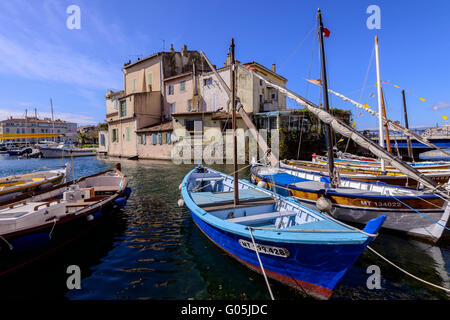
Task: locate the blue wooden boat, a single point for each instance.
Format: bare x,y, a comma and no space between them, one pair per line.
298,246
434,155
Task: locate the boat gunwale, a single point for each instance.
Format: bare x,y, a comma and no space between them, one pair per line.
352,236
333,192
77,214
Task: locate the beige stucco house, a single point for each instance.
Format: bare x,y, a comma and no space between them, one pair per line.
142,103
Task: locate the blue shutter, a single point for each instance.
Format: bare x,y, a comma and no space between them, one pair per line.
168,138
159,137
153,138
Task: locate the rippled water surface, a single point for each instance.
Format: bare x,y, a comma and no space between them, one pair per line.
151,249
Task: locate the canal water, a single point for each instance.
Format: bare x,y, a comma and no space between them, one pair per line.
151,249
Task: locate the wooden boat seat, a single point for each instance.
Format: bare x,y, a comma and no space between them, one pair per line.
80,203
242,204
106,188
258,218
205,199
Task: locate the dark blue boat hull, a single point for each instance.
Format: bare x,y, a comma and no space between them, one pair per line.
313,269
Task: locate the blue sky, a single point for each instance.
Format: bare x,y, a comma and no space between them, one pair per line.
40,58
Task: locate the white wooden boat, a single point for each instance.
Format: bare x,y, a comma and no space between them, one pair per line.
39,224
15,186
63,152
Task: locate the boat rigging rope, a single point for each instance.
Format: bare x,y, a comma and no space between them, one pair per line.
437,222
406,272
261,265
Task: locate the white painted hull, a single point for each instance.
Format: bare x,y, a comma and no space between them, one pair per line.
403,221
66,153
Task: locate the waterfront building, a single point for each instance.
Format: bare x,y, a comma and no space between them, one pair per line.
143,102
35,125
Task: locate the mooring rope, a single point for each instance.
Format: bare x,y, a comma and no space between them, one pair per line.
9,244
406,272
261,265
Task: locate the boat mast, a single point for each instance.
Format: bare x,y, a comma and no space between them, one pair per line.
328,133
380,107
386,128
408,139
233,104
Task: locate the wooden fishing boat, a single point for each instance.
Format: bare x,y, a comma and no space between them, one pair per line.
38,225
63,151
423,165
409,211
393,177
297,246
12,187
435,155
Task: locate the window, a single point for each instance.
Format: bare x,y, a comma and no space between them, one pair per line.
170,89
153,138
189,105
172,108
273,95
115,135
127,133
149,79
159,137
115,104
190,124
226,124
207,81
123,108
182,85
18,130
141,138
102,140
169,137
134,85
260,82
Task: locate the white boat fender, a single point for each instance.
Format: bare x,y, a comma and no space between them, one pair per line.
179,188
180,202
94,216
262,184
324,204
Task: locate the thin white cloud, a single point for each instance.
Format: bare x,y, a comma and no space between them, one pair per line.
43,52
441,105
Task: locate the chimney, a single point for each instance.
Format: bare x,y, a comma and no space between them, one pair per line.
227,60
171,48
273,67
183,49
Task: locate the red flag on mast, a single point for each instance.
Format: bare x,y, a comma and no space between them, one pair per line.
326,32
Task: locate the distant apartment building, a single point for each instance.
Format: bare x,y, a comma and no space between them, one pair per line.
34,125
142,105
